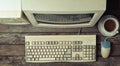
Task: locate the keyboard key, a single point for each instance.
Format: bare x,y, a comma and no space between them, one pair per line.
63,53
54,53
59,53
62,50
68,52
29,56
56,58
67,56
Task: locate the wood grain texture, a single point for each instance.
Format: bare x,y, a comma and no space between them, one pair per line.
12,50
30,28
20,61
12,45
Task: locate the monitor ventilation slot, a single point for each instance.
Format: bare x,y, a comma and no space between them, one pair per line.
63,18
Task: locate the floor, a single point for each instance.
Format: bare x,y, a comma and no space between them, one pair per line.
12,45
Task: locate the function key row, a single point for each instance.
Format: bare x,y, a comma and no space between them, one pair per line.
52,42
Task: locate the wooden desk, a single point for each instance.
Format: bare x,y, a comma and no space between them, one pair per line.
12,45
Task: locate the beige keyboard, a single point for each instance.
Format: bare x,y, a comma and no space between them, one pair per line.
60,48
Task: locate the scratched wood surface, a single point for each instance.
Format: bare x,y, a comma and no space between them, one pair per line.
12,45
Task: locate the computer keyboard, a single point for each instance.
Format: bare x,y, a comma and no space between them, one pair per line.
60,48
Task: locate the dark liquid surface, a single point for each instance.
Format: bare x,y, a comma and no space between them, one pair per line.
110,25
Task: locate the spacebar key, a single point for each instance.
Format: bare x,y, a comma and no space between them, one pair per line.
46,59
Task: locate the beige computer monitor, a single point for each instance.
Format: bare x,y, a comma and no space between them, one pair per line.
54,8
